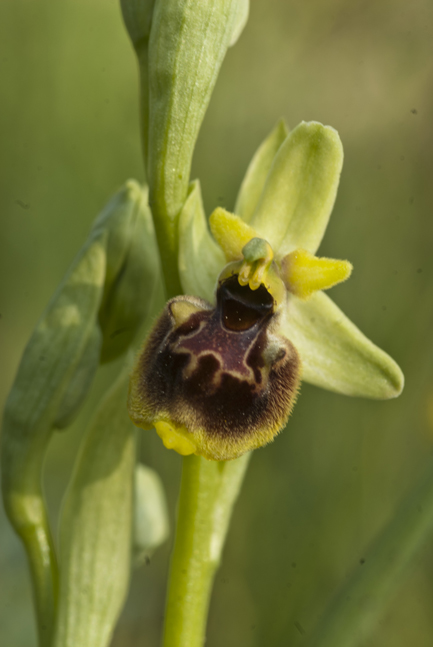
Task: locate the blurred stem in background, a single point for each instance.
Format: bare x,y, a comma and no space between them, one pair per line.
360,603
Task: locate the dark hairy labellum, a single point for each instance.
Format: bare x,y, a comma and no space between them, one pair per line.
223,374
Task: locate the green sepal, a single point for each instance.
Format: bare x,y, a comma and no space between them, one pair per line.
257,172
187,45
131,295
151,525
200,258
299,194
335,354
96,528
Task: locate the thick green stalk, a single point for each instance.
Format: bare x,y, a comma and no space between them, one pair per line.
208,492
360,603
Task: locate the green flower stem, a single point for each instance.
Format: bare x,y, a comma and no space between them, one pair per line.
208,492
360,603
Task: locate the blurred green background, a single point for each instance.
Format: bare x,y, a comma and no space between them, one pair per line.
314,499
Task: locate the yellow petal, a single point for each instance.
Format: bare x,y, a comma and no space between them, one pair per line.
231,233
305,274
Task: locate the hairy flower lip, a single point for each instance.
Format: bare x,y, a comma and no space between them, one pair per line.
199,390
224,389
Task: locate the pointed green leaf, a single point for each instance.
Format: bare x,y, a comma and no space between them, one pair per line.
335,354
300,190
200,258
96,525
151,525
257,172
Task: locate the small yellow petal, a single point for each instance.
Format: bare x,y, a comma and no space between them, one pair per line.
305,274
175,439
230,232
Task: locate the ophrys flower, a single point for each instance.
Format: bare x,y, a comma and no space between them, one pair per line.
221,380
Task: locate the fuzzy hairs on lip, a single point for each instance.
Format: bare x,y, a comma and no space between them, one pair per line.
221,375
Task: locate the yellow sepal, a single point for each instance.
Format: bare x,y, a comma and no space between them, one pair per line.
304,274
175,438
231,233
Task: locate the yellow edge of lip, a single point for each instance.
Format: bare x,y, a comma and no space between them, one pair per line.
174,439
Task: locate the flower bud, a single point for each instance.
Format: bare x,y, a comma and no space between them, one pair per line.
109,289
46,391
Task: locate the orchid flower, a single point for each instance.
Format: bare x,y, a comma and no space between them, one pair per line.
220,371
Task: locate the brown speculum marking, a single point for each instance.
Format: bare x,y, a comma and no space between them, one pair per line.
219,370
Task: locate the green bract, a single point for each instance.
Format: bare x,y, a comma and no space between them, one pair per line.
94,316
180,46
95,528
291,210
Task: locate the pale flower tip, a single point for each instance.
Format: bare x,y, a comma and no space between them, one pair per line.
304,274
395,382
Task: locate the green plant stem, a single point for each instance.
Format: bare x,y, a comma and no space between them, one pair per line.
208,492
360,603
